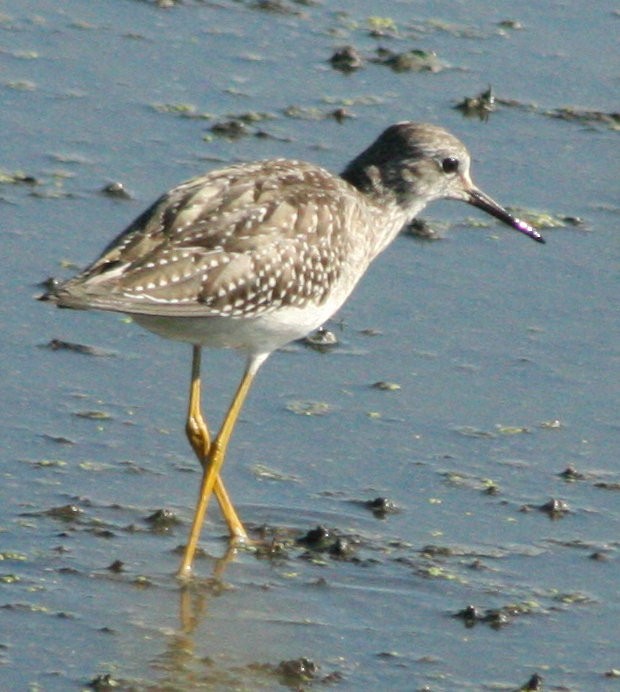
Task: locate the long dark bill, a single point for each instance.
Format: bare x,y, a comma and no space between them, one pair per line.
482,201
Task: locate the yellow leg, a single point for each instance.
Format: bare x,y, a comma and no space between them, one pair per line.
198,436
213,459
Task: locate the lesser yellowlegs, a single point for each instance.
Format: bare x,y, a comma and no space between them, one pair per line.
256,255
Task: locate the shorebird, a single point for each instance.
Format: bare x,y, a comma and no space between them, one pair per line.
256,255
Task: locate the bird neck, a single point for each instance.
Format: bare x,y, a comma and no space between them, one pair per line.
389,187
390,209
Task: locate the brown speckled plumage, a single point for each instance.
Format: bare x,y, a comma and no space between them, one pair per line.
237,242
255,255
253,238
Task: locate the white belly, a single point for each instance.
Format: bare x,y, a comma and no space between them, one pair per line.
254,335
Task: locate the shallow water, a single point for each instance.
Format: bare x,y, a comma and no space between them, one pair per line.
506,354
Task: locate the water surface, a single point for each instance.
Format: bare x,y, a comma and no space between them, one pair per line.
505,352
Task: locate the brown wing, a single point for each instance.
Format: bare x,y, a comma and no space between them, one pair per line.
238,241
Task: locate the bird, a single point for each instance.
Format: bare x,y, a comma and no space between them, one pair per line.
256,255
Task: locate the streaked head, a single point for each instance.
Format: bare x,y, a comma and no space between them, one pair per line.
416,163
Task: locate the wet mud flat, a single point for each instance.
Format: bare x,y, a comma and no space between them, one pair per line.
434,496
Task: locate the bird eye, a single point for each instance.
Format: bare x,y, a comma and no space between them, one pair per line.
450,164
